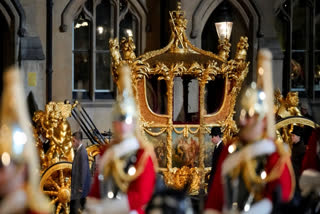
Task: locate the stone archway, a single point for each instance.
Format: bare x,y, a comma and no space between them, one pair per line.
3,47
6,47
9,22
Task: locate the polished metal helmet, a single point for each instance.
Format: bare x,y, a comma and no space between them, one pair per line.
16,139
258,98
125,107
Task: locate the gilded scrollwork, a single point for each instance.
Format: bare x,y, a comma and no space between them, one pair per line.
186,129
179,178
155,134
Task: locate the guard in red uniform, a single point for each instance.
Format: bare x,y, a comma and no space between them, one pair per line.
310,178
19,177
254,172
125,179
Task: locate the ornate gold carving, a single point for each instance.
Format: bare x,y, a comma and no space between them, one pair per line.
179,178
116,56
155,134
186,130
296,120
52,125
180,58
224,48
286,107
229,128
127,48
92,151
56,184
178,25
242,48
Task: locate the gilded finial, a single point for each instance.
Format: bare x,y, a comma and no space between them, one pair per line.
179,6
224,48
178,25
128,47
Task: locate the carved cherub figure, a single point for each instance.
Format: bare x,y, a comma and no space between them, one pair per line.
286,107
52,125
128,47
114,49
242,48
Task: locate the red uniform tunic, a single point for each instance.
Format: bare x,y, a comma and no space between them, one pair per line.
215,200
140,190
311,159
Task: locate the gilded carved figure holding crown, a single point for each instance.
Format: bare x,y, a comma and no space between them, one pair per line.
179,24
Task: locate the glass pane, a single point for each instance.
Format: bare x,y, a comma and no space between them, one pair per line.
281,26
104,31
79,95
81,34
128,26
214,95
81,70
317,22
103,75
105,95
156,93
299,27
186,100
297,73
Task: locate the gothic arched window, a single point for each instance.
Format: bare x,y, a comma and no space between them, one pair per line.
298,25
97,22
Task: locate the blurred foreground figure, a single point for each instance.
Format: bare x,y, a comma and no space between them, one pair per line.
310,178
170,202
125,179
19,175
254,173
